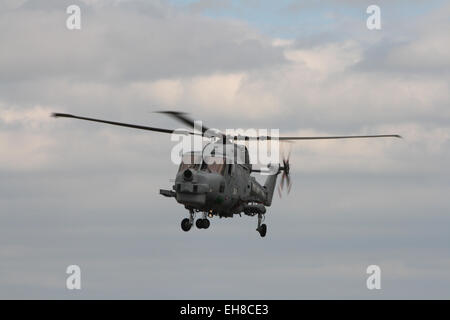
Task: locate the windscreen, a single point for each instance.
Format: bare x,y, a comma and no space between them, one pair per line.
214,165
190,161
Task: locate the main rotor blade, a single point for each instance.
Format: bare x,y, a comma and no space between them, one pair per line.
183,118
316,138
134,126
342,137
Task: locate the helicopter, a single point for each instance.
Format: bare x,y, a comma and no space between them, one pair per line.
220,182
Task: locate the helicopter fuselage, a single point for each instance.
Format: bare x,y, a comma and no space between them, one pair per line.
224,188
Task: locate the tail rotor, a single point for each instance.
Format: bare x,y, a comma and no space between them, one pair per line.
285,176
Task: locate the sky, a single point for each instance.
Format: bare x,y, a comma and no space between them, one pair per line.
76,193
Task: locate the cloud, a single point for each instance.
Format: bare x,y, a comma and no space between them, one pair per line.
124,43
424,49
202,5
31,117
76,192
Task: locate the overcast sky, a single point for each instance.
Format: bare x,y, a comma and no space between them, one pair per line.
87,194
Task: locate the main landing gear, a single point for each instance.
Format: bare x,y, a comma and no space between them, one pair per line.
262,228
202,223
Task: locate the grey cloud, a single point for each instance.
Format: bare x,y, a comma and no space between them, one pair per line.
78,193
133,238
125,43
421,47
216,5
402,57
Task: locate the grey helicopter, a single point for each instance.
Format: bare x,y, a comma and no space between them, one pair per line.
219,182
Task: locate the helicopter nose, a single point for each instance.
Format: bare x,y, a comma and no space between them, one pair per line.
187,175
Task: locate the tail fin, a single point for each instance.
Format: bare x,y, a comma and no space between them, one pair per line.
269,186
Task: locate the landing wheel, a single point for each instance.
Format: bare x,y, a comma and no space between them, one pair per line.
262,230
186,224
206,223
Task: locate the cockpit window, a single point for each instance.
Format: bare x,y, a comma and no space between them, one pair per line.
214,165
190,161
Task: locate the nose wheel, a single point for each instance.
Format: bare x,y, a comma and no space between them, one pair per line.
202,223
186,225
